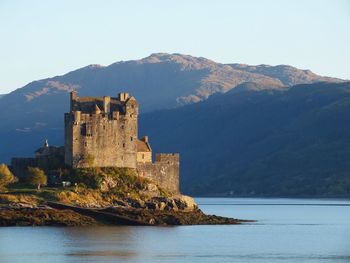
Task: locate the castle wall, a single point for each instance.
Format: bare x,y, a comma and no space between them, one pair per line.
102,139
19,166
144,157
53,160
164,171
102,132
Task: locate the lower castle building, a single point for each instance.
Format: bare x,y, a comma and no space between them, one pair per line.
103,132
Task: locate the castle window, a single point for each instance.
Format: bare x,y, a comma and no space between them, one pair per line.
123,145
83,129
85,144
143,156
131,138
122,126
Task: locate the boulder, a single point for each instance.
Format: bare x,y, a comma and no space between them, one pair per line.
135,203
185,202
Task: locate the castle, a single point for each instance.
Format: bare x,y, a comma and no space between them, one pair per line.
103,132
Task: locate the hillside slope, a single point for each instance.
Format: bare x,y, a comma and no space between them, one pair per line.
294,142
35,112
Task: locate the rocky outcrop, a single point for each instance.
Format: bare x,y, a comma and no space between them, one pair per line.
156,210
159,203
39,216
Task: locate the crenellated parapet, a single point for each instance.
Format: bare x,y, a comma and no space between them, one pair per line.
165,171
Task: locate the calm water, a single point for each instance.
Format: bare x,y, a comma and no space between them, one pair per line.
288,230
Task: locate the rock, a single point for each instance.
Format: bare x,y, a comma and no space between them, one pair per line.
185,202
108,183
43,217
159,199
178,202
151,205
21,205
152,188
135,203
161,206
120,203
171,205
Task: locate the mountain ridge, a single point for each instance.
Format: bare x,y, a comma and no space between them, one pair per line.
223,77
160,81
292,142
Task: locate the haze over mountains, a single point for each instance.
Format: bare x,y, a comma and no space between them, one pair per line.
161,81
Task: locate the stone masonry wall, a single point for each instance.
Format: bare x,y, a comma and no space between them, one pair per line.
102,139
19,166
164,171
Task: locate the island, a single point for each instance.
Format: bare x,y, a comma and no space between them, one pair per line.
103,175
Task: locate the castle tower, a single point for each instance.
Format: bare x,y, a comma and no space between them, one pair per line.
101,131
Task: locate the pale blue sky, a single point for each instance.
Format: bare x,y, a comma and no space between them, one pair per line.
42,39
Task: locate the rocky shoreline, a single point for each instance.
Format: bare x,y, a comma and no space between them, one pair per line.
48,216
119,199
158,211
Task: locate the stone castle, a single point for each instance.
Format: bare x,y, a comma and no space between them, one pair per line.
103,132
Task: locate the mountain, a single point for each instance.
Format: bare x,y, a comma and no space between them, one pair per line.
289,76
35,111
293,142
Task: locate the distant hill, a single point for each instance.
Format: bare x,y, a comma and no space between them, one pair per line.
293,142
289,76
35,111
158,81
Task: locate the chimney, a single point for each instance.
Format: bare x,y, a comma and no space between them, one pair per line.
73,97
145,139
123,96
106,104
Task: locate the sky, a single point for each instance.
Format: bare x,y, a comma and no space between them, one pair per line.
41,39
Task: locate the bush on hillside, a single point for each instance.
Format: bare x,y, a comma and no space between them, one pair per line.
6,176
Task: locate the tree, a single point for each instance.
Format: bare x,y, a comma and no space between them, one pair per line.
36,177
6,177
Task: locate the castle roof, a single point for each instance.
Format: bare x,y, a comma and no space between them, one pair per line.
143,146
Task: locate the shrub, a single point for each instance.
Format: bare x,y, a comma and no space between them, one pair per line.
36,177
87,176
6,177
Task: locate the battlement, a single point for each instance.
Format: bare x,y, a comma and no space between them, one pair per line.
106,104
165,171
167,157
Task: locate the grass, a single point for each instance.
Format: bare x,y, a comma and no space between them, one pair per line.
95,187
